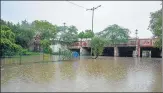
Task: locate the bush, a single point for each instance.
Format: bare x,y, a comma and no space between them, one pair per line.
24,51
47,50
46,46
8,48
67,54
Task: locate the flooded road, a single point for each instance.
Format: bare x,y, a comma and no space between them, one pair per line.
105,74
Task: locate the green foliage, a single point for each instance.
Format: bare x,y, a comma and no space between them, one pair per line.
24,37
88,34
81,35
2,22
18,37
66,54
97,45
7,33
115,34
8,46
46,46
23,32
72,29
155,27
44,28
69,36
24,52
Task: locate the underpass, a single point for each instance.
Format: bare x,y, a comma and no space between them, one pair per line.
108,51
155,52
126,51
145,47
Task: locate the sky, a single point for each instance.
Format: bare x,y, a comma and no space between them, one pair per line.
128,14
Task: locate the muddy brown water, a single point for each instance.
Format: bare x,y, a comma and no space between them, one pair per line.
105,74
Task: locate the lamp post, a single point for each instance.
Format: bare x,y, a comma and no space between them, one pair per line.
136,43
64,25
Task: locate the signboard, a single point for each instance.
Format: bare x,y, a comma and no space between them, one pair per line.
146,42
84,44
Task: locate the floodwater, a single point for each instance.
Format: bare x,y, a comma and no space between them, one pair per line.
104,74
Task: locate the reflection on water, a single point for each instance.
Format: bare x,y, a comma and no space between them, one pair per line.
103,74
67,70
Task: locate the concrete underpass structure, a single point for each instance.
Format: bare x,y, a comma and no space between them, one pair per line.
145,48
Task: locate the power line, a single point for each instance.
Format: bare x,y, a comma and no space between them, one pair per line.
76,4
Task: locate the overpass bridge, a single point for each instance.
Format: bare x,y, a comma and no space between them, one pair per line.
145,47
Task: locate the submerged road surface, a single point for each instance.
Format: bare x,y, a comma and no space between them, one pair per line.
105,74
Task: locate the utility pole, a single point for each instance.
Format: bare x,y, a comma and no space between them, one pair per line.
136,43
93,18
93,13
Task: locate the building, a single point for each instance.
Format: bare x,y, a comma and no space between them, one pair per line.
35,45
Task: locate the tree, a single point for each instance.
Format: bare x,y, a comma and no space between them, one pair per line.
97,45
69,35
155,27
7,33
46,46
3,22
8,46
25,25
115,35
45,29
25,34
81,36
47,32
24,37
88,34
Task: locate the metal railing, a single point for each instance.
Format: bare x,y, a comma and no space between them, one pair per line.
37,58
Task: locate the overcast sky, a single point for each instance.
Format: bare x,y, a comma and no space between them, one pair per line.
129,14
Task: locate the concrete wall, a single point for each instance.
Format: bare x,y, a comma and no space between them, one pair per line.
55,48
84,51
116,52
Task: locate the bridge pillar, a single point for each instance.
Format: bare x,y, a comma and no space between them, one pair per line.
116,52
139,51
161,53
138,48
83,51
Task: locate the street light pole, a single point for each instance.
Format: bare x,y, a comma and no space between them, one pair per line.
64,25
136,43
92,9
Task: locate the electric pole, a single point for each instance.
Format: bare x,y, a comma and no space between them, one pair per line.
92,9
93,13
